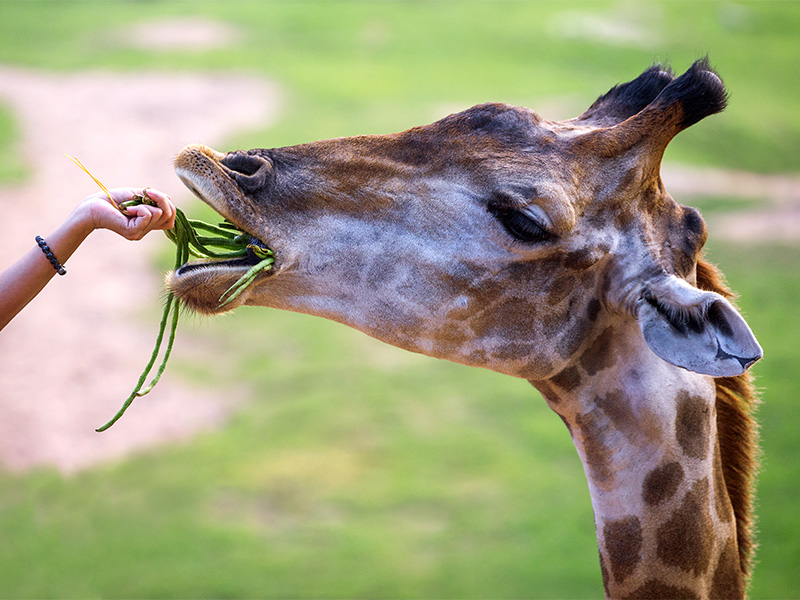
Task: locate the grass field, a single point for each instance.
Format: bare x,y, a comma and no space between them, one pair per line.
408,477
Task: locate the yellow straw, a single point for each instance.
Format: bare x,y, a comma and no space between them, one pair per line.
96,180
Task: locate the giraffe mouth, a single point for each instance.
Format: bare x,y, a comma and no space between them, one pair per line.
201,283
217,179
256,248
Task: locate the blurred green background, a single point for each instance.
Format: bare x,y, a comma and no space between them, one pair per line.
401,477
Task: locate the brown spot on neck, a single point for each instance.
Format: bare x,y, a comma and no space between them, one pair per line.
592,430
661,483
606,577
547,392
568,379
692,424
686,540
623,543
599,355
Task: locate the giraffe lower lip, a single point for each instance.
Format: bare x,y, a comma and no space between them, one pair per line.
235,263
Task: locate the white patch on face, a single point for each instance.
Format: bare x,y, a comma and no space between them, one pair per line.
460,303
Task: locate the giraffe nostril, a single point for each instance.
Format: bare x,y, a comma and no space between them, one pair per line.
250,171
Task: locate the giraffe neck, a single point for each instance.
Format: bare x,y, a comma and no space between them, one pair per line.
647,438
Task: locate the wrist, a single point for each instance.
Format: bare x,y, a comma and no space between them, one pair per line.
82,221
74,229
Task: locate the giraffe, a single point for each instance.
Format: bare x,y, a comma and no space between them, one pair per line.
544,250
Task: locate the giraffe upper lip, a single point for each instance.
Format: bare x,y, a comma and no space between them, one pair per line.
210,176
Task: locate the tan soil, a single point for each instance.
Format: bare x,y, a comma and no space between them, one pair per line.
183,33
775,219
73,355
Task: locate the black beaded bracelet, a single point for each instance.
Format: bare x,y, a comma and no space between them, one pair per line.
50,256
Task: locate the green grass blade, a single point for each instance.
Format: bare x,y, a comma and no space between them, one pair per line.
237,288
162,328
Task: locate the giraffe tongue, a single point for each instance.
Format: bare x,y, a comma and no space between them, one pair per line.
258,248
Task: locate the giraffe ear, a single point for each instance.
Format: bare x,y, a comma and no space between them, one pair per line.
697,330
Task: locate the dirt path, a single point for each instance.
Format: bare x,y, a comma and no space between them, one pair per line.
775,219
72,356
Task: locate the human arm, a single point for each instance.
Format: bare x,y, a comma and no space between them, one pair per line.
22,281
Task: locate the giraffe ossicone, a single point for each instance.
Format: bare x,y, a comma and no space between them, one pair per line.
544,250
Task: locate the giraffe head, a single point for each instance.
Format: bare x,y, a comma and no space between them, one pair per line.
492,237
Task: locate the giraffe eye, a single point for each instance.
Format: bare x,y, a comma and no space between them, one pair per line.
521,226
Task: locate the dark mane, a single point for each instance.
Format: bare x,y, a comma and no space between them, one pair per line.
700,92
627,99
737,432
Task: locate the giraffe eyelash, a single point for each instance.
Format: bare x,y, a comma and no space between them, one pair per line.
518,222
683,318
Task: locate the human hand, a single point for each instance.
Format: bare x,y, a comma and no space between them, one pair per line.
23,280
141,219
